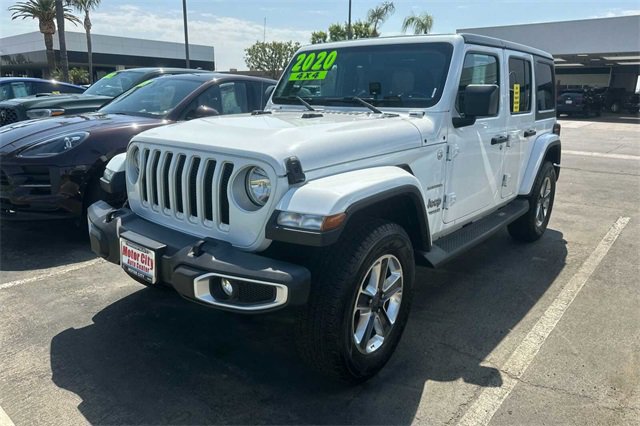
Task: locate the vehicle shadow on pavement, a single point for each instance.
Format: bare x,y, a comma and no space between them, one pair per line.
153,358
26,246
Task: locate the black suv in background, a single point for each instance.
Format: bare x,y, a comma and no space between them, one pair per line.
19,87
100,93
585,102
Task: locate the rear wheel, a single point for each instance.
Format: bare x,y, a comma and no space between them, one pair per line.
532,225
359,302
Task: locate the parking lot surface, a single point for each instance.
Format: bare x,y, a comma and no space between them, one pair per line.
546,333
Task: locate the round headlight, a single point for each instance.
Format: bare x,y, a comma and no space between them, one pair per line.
258,186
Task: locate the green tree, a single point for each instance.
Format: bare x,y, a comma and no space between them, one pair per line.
85,6
318,37
45,12
379,14
421,24
79,76
270,57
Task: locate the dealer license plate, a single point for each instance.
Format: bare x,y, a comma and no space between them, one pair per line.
138,261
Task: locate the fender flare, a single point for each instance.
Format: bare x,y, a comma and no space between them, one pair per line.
539,152
351,193
113,179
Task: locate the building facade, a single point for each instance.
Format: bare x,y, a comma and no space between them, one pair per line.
24,55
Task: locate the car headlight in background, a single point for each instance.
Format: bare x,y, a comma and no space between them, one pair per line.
44,112
258,186
54,146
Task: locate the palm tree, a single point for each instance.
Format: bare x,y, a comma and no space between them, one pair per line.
45,12
421,24
62,41
86,6
379,14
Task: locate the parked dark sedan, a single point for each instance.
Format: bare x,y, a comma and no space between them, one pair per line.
50,168
583,102
19,87
96,96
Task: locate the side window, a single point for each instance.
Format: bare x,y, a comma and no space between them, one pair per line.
519,85
233,96
254,95
545,86
5,92
21,89
478,68
45,88
209,98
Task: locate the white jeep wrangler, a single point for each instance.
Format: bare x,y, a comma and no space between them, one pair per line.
371,156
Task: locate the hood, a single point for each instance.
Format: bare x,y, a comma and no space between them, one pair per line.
18,135
52,101
324,139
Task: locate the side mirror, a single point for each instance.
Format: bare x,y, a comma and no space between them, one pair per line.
202,111
480,100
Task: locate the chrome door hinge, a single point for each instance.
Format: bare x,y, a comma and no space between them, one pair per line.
452,151
449,200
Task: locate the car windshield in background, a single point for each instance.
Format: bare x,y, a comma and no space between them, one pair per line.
115,84
409,75
152,98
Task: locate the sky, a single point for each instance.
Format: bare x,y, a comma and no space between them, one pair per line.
233,25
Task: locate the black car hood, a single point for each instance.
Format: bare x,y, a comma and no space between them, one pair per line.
52,101
18,135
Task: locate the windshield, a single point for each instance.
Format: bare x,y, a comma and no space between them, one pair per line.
153,98
398,75
115,83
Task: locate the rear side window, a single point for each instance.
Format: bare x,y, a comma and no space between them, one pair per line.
478,68
519,85
545,99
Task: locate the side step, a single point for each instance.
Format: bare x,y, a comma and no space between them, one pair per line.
450,246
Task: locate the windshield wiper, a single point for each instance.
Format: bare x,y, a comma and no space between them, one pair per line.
304,103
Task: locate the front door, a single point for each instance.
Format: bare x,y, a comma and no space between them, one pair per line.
474,159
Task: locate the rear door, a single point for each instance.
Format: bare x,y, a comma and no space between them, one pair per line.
521,128
474,160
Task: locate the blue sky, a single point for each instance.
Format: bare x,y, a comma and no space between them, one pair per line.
231,26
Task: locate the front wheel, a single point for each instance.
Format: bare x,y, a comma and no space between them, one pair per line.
359,302
532,225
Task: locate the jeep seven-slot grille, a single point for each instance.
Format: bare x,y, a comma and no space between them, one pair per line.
185,186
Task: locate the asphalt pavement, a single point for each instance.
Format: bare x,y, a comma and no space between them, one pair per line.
509,334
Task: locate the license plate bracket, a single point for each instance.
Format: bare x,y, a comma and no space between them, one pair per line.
139,261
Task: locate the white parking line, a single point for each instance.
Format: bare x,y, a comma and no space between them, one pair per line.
602,155
4,419
50,274
490,399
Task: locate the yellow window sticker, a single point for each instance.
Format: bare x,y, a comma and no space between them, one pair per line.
144,83
516,97
110,75
312,65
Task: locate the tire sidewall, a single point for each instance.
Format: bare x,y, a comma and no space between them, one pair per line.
546,171
365,365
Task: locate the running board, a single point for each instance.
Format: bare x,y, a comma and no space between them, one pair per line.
450,246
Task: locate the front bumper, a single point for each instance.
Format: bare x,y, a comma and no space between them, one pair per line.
195,266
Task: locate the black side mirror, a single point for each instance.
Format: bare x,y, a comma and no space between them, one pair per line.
201,112
269,91
478,100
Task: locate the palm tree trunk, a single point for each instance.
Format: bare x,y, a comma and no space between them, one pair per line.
87,27
64,60
51,58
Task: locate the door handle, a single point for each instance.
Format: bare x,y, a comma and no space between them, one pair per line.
499,139
529,132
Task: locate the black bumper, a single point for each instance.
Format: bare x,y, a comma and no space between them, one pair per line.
183,259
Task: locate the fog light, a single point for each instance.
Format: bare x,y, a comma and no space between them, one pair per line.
227,287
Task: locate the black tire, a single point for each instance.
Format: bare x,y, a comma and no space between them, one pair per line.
532,225
325,332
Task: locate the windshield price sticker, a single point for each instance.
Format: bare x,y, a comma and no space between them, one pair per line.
110,75
312,65
516,97
144,83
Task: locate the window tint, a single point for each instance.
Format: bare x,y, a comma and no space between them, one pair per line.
544,87
5,92
519,85
233,96
478,68
21,89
